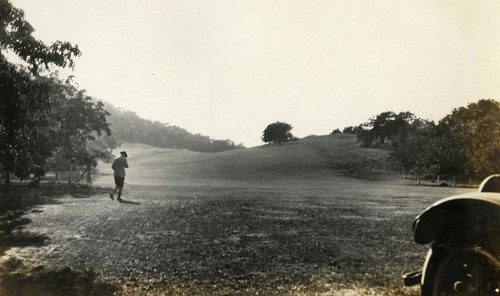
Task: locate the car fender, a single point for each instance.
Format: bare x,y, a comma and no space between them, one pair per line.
458,213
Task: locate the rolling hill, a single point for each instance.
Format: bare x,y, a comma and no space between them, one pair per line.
311,157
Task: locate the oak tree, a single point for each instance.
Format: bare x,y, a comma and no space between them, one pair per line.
277,132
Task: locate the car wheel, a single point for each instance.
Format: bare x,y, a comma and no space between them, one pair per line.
468,272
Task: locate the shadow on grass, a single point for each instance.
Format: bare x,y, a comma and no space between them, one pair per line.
15,277
22,197
39,281
12,235
123,201
20,200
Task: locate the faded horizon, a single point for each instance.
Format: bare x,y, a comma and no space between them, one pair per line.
227,69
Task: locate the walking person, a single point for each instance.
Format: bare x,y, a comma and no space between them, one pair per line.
119,166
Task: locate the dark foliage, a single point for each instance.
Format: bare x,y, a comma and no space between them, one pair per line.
16,35
41,116
349,130
277,132
465,143
127,126
336,132
385,127
474,132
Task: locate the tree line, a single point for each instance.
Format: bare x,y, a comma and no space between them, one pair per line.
464,144
43,120
127,126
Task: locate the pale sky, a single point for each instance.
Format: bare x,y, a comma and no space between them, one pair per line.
228,68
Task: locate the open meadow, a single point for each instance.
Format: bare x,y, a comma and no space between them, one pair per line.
258,221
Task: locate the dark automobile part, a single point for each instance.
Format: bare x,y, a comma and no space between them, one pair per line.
490,184
467,272
463,232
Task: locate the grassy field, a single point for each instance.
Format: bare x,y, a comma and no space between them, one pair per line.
259,221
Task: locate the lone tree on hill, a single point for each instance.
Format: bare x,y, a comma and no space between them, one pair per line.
277,132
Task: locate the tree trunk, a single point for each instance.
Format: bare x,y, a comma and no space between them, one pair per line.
89,177
71,173
7,181
9,165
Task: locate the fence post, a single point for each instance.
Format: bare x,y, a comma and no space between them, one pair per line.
71,171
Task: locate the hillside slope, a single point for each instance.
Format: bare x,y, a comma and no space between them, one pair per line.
344,154
312,157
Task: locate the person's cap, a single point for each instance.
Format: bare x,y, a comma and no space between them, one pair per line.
124,153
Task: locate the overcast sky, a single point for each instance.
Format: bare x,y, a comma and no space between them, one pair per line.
228,68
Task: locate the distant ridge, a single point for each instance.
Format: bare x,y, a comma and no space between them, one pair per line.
127,126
